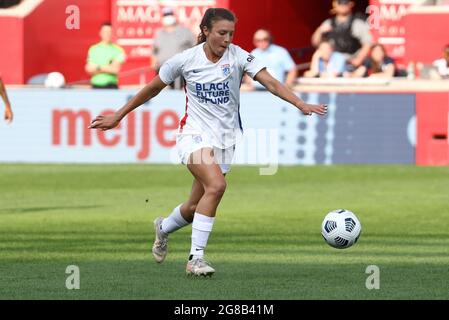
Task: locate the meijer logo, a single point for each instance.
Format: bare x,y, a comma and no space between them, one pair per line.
67,122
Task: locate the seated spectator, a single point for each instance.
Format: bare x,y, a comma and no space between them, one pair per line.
443,64
277,59
326,62
377,65
104,60
349,31
8,110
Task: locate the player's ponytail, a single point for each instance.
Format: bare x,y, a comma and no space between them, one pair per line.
211,16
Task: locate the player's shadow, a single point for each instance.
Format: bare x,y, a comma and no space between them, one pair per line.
40,209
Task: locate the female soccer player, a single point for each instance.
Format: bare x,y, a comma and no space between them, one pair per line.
207,134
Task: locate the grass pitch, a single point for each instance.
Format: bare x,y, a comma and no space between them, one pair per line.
266,242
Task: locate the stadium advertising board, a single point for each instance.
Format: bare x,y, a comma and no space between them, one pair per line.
51,126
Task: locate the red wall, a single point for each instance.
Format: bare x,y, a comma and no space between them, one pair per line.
432,146
41,43
50,46
292,22
11,50
46,45
426,44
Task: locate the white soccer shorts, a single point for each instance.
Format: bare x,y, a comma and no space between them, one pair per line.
187,143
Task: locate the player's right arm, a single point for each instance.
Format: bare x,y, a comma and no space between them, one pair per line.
147,93
167,74
4,95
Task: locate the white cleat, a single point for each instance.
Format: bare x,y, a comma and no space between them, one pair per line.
199,267
160,246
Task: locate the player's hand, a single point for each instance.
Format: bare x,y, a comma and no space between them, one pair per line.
105,122
309,109
8,114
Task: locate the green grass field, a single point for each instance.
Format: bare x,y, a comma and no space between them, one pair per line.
266,242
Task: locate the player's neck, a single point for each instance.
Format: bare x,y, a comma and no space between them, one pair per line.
210,55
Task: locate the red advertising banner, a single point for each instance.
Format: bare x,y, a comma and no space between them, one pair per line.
391,31
135,22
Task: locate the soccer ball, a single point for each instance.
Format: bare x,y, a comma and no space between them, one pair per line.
54,80
341,228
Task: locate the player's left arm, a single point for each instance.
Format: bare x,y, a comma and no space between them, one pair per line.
280,90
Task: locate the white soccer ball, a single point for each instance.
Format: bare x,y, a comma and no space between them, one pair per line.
341,228
54,80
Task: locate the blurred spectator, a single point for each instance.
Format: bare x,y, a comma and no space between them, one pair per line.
377,65
443,64
8,109
276,58
104,60
431,3
326,62
349,31
171,39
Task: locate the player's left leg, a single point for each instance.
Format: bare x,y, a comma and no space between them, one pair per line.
181,216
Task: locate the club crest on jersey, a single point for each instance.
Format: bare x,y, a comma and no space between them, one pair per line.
226,69
197,139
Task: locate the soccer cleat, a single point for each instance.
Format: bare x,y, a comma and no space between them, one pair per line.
160,245
199,267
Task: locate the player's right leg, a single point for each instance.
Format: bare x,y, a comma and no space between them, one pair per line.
181,216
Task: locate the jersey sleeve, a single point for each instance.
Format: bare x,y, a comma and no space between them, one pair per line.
250,64
172,68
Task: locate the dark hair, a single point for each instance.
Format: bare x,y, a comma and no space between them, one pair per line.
211,16
106,24
377,66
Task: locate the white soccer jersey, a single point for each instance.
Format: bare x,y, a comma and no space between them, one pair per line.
212,91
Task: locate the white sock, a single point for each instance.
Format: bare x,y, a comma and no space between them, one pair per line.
174,221
201,228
